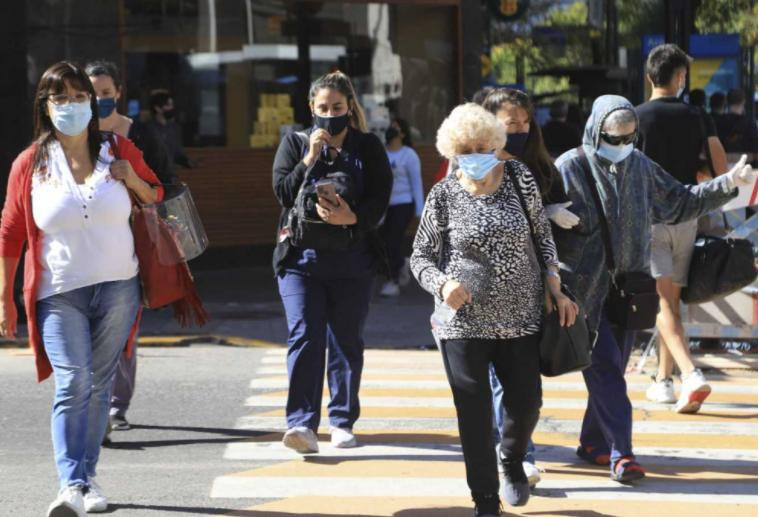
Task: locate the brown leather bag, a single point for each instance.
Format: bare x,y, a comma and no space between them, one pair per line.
163,271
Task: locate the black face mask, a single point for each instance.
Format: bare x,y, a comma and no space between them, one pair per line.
516,143
168,114
391,134
333,125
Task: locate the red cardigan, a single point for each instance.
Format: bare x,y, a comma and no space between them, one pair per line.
17,227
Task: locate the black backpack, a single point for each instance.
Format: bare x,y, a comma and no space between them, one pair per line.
306,228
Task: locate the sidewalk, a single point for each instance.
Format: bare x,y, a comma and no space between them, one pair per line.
245,307
245,310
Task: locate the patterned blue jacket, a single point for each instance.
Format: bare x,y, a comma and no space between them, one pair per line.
636,193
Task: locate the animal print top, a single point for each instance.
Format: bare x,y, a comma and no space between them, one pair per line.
483,242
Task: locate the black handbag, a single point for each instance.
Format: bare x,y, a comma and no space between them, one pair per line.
305,227
718,268
562,349
633,300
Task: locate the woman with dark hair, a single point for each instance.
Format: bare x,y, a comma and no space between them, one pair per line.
406,201
68,201
334,183
515,111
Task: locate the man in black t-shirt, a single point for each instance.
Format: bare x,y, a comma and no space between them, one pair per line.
683,141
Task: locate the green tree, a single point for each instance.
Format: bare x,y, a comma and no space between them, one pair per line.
729,16
515,40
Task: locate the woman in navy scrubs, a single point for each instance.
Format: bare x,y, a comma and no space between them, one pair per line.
326,288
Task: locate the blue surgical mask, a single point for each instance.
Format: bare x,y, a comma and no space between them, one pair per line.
72,118
614,153
477,166
105,106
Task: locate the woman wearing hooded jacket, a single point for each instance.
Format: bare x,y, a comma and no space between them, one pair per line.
635,194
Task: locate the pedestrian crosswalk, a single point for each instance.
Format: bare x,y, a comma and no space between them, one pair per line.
409,463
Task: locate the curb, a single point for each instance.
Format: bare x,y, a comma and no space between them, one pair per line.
172,341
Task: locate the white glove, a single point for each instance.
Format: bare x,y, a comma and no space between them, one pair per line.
741,175
560,216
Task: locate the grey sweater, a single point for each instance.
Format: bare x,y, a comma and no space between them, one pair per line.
636,193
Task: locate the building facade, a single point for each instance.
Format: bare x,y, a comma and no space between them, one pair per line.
239,72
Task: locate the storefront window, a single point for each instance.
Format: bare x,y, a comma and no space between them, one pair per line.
233,68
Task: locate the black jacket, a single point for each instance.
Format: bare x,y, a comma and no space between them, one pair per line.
289,172
154,151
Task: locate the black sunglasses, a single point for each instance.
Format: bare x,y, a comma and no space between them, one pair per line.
619,139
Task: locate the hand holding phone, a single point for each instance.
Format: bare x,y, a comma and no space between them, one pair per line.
326,189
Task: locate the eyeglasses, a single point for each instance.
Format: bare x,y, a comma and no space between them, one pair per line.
62,99
619,139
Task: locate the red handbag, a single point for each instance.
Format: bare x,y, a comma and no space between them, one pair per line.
163,271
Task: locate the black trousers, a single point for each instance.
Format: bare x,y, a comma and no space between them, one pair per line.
516,363
396,222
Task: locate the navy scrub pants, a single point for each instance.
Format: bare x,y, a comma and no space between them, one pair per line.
324,313
607,424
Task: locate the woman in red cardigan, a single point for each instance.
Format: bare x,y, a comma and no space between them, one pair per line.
69,200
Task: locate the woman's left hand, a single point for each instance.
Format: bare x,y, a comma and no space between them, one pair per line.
567,309
122,170
339,214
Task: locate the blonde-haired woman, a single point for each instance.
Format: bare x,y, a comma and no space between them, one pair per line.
472,252
334,183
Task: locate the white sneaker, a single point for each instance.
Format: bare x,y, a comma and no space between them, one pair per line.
390,289
695,390
69,503
94,500
343,438
301,439
661,391
532,474
404,277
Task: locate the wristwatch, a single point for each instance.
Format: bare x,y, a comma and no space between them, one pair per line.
552,272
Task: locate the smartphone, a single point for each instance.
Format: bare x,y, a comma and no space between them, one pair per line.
327,190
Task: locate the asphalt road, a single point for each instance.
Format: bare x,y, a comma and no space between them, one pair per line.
184,412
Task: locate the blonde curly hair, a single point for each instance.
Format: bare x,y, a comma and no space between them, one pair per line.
468,127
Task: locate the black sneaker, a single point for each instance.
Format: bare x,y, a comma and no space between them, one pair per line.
515,488
487,505
119,423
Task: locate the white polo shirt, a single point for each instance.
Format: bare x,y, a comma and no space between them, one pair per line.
86,238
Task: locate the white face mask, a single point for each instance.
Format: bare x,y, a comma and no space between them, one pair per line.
682,84
680,91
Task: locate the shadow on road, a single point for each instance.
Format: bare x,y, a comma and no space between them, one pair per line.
231,436
456,511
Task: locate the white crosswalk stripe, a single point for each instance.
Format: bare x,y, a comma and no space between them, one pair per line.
408,457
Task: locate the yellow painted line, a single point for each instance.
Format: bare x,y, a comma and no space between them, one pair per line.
445,392
24,352
388,506
206,339
664,414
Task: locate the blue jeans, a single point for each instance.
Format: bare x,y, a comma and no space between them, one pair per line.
324,314
84,332
500,414
607,424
